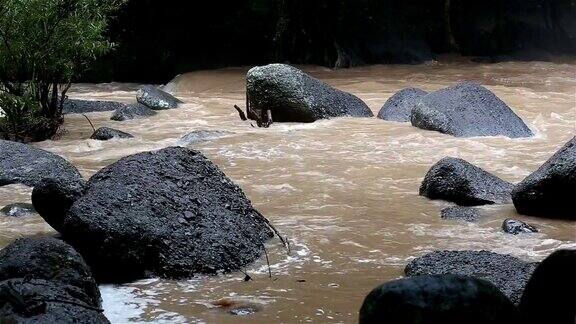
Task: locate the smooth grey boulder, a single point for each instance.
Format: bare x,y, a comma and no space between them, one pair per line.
514,227
550,190
156,99
506,272
107,133
399,106
467,214
79,106
169,213
467,110
133,111
446,299
25,164
202,135
18,210
294,96
456,180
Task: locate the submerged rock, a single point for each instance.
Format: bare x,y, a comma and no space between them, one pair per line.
18,210
467,110
456,180
24,164
550,190
549,295
467,214
133,111
78,106
107,133
203,135
169,213
156,99
508,273
513,226
399,106
293,96
446,299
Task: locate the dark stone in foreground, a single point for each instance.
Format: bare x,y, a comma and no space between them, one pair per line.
506,272
169,213
294,96
399,106
18,210
133,111
24,164
199,136
52,198
106,133
549,295
78,106
513,226
156,99
456,180
467,214
550,190
446,299
467,110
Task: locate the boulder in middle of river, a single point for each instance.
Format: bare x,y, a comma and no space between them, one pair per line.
399,106
456,180
466,110
156,99
107,133
133,111
169,213
294,96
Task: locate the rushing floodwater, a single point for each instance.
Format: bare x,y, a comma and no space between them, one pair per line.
345,191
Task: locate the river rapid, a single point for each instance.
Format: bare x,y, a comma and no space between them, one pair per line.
344,191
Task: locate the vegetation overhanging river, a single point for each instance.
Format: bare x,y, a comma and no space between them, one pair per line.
345,191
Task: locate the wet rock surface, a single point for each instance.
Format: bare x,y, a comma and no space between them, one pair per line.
169,213
399,106
466,214
25,164
467,110
447,299
156,99
107,133
548,297
133,111
457,180
199,136
294,96
550,190
78,106
507,273
18,210
513,226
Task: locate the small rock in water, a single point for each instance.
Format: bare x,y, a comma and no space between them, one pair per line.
513,226
18,210
467,214
156,99
133,111
106,133
202,135
239,307
399,106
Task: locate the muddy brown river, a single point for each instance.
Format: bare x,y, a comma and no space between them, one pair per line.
345,191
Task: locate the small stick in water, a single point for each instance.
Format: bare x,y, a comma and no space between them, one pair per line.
88,119
241,113
267,260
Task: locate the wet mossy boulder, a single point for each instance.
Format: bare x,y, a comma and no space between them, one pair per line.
446,299
457,180
156,99
79,106
133,111
399,106
550,190
506,272
467,110
294,96
170,213
107,133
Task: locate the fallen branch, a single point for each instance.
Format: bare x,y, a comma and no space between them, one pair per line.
267,260
88,119
241,113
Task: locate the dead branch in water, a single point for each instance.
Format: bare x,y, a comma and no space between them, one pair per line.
241,113
88,119
263,117
267,260
275,231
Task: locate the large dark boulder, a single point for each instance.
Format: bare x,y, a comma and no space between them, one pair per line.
467,214
550,190
107,133
514,227
156,99
133,111
399,106
549,294
169,213
52,198
293,96
446,299
18,210
458,181
24,164
505,272
467,110
78,106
